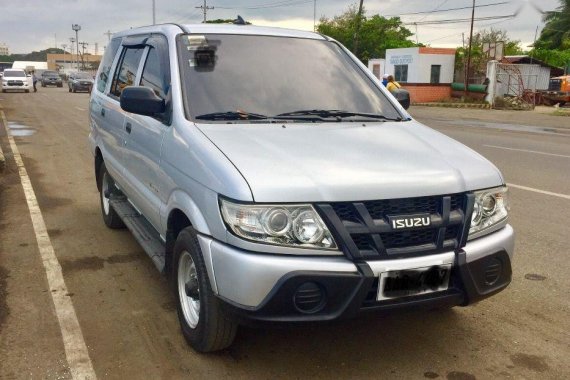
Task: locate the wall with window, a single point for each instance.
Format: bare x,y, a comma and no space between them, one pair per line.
424,71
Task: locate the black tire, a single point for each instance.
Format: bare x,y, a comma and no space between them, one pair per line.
69,89
3,90
561,104
110,217
214,330
60,85
27,91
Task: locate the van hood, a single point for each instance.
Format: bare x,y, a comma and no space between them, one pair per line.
335,162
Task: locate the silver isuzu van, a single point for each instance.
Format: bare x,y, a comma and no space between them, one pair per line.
273,178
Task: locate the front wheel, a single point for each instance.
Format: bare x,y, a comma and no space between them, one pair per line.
107,185
204,324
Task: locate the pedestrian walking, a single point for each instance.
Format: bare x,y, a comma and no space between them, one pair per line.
34,80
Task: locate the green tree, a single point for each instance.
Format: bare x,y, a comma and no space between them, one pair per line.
224,21
554,57
38,56
556,32
377,33
478,57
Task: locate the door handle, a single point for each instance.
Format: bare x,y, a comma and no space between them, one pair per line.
128,127
103,112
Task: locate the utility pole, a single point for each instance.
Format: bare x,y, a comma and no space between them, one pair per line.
205,8
83,44
153,12
77,28
417,41
357,29
469,49
71,49
533,43
96,48
64,53
108,34
315,16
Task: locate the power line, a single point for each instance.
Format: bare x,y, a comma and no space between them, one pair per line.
459,20
447,10
272,5
205,8
434,10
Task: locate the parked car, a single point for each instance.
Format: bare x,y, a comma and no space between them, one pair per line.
16,79
273,178
80,82
51,78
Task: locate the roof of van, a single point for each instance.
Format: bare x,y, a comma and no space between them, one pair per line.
225,29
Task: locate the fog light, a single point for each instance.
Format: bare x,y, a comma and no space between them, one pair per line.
309,298
493,271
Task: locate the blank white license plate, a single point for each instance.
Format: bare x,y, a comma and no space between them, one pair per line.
412,282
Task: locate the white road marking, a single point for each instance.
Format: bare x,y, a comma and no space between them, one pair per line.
80,109
539,191
527,151
75,348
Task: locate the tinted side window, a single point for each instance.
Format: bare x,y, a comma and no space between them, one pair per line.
154,75
106,63
126,72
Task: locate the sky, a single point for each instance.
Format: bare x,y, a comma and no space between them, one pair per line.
28,25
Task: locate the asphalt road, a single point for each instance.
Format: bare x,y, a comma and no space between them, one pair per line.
126,311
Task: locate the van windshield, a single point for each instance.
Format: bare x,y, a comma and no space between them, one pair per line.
247,77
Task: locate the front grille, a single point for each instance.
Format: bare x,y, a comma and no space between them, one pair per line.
407,238
15,83
364,230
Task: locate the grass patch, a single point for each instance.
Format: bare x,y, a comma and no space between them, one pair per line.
561,113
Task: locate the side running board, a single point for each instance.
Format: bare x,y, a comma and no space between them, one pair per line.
145,234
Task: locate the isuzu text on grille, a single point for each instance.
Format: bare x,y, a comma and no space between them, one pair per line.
398,223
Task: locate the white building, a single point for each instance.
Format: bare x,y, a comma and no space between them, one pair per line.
4,49
421,65
30,65
426,72
377,66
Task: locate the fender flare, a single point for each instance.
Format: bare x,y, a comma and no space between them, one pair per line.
182,201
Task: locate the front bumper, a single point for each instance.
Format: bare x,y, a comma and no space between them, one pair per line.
263,287
24,86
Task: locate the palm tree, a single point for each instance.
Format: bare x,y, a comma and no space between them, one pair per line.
556,32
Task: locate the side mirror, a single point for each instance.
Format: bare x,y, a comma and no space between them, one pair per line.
403,96
142,101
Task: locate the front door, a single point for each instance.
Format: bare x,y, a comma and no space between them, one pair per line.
145,134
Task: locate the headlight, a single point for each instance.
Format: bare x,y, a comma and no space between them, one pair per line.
489,212
290,225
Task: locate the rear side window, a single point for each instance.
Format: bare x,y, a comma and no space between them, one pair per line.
106,63
126,72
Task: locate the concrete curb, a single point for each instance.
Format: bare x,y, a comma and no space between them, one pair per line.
2,157
2,161
454,105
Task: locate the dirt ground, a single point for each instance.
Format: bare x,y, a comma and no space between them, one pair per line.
126,310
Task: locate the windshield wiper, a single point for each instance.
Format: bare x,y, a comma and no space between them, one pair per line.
231,115
338,114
